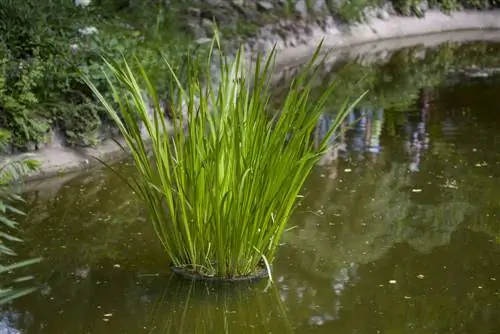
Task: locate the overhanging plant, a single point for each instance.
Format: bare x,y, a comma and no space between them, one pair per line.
220,189
10,171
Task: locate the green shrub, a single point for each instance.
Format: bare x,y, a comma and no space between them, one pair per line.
20,113
42,54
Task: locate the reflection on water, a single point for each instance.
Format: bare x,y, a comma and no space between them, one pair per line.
360,134
397,233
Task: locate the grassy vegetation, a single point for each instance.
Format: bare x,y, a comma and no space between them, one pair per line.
221,190
45,45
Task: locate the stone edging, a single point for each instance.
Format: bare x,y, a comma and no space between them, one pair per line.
56,160
375,29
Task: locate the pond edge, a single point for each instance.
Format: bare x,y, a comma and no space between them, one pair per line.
56,160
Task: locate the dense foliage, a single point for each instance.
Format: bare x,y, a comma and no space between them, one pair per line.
45,45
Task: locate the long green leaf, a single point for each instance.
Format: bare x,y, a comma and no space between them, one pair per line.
220,189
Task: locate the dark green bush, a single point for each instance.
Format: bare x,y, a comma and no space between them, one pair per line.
43,54
20,111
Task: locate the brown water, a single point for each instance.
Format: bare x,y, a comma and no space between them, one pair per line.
398,233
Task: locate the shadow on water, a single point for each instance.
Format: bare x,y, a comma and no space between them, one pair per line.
397,232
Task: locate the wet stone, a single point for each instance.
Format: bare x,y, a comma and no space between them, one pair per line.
264,6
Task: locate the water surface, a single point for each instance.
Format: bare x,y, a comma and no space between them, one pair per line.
398,233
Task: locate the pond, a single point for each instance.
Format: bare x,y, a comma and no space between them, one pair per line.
398,230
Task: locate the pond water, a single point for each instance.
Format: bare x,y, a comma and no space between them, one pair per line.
398,231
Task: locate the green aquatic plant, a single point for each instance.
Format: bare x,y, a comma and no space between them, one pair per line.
11,170
220,190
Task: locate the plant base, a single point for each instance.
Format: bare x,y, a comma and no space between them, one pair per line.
193,275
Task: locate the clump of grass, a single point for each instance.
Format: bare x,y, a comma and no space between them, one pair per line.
221,189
